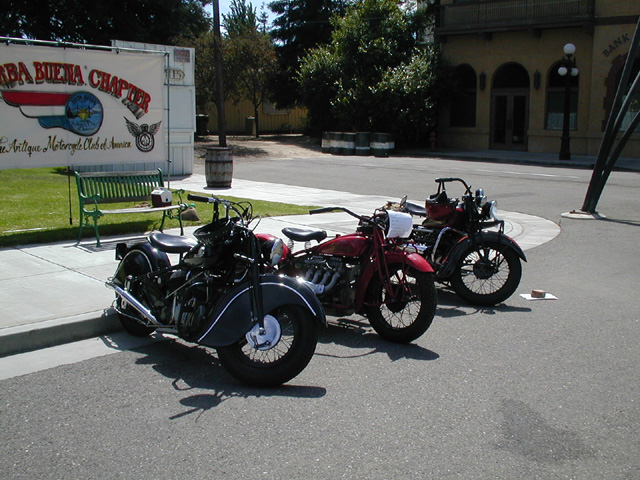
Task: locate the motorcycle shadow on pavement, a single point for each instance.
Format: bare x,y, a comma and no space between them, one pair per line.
195,370
451,306
355,333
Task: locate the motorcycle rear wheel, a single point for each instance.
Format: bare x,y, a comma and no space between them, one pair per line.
402,321
281,362
138,263
487,274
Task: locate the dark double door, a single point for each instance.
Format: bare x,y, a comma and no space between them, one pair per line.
509,120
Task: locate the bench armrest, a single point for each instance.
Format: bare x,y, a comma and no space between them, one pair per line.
179,192
89,199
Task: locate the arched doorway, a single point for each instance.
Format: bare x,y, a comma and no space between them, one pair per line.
510,108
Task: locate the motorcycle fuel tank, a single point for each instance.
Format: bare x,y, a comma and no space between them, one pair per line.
351,245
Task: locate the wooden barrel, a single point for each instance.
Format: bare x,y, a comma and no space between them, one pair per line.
218,167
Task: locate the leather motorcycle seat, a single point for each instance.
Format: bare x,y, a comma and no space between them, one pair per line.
417,210
303,235
171,243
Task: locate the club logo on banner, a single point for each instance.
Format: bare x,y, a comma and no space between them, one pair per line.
69,108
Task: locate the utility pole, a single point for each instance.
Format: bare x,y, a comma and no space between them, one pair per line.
222,124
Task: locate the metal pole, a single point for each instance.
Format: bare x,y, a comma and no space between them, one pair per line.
168,85
605,164
565,148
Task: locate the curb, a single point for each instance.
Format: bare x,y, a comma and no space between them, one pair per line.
35,336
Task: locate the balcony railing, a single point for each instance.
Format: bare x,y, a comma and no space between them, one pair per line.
504,15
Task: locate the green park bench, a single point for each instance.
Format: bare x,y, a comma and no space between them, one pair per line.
96,188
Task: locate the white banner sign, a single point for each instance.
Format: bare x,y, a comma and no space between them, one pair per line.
70,107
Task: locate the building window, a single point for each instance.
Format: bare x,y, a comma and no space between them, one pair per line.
462,106
556,88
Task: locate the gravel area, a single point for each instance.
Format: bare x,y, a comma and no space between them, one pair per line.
273,146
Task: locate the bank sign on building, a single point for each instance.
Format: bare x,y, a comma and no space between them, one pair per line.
507,53
71,106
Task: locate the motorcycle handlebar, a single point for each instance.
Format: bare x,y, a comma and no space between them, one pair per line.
443,180
342,209
323,210
200,198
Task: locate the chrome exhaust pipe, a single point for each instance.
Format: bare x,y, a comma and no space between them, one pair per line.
131,300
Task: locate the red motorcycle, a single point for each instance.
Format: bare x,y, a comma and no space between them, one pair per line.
464,241
367,272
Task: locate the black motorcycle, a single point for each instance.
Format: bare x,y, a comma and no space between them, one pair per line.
464,241
264,327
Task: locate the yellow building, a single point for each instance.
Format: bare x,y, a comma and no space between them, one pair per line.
507,54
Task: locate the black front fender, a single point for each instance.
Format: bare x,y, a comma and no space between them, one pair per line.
479,238
231,318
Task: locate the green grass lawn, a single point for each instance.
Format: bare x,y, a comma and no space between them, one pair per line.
35,208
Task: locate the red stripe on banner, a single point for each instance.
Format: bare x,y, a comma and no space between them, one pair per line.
35,99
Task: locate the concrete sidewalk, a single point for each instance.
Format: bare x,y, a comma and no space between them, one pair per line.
55,293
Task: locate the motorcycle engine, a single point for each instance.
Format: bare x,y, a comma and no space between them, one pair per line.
423,234
331,278
190,313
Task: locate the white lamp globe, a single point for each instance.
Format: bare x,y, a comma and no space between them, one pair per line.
569,49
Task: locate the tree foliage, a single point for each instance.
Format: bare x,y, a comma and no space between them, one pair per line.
299,26
374,76
252,60
241,19
248,58
97,23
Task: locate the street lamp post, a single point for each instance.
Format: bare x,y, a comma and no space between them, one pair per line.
567,70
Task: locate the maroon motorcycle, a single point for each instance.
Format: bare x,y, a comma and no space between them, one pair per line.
464,241
368,272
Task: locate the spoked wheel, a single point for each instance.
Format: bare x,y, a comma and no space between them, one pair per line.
277,354
487,274
406,312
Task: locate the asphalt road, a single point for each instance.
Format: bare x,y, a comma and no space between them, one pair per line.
529,389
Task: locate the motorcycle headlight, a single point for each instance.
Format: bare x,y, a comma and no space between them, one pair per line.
490,210
277,251
480,198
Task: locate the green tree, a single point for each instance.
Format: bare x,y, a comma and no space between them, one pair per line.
249,57
241,19
299,26
374,76
205,69
88,21
252,60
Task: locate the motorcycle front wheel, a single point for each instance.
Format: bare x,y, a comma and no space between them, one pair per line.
402,317
281,353
487,274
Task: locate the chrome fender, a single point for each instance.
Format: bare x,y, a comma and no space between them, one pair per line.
480,237
231,318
